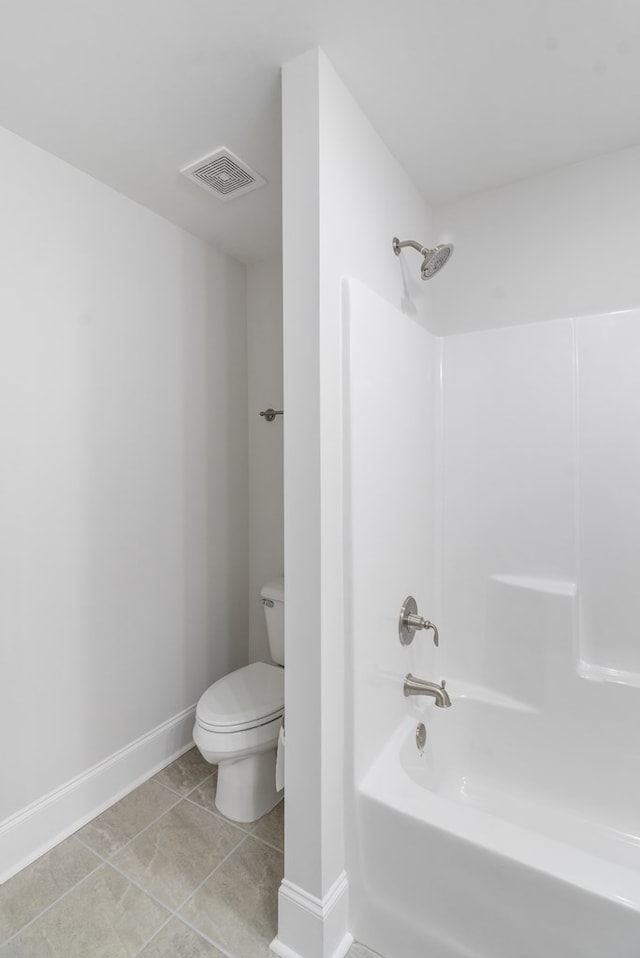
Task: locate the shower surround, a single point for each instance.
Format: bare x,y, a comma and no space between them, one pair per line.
493,475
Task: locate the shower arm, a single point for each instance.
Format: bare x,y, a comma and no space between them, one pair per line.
397,246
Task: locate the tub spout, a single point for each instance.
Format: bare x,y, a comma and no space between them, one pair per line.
415,686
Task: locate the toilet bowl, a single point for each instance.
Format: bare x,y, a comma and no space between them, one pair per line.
238,721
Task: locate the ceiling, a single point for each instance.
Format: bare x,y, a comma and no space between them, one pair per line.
468,94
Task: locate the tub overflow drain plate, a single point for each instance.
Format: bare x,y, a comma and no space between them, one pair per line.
421,737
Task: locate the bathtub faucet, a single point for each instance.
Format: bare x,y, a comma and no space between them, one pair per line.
415,686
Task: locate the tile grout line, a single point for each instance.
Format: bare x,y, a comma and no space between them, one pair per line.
170,917
103,861
174,912
213,871
267,843
196,931
175,790
248,827
110,861
206,937
75,836
93,871
220,817
136,883
137,835
194,927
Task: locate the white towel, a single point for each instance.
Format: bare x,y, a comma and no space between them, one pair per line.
280,761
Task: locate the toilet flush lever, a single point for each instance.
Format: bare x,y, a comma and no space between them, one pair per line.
410,622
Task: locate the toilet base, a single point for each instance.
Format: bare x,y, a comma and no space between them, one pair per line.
246,788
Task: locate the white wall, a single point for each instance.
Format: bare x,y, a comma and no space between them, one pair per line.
123,428
564,244
345,197
266,493
391,416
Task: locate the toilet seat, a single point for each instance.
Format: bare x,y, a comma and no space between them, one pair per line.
247,698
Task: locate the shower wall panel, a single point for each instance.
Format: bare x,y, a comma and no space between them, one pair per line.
540,479
608,348
508,464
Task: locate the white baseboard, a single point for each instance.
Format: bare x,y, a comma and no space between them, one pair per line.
35,829
310,927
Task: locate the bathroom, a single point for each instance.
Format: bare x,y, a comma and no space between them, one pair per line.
121,514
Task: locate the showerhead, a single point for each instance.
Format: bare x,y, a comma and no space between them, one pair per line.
434,259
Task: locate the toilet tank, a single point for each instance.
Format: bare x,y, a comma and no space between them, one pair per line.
273,603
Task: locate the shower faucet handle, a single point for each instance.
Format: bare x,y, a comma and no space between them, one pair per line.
410,622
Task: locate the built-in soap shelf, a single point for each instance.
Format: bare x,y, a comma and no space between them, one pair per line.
600,673
530,635
535,584
532,638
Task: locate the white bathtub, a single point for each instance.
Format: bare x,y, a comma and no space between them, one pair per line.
473,850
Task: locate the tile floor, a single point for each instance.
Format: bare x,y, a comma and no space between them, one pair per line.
160,874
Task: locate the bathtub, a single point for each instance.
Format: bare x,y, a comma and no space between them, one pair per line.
469,850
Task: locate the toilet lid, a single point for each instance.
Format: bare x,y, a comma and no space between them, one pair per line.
247,697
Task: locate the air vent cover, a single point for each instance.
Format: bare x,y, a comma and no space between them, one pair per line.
224,174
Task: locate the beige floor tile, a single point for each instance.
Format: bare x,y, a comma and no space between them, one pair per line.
185,773
107,833
178,941
104,917
36,887
238,905
271,827
174,855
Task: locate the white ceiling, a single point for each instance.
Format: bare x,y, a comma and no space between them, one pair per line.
468,94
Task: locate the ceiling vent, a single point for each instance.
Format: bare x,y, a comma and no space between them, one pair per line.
224,174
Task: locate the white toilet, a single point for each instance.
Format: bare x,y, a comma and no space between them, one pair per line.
238,721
